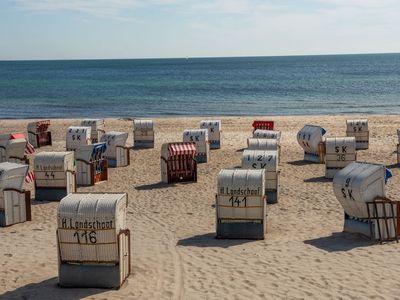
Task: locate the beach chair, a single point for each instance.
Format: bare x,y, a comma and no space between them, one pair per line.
311,139
97,128
178,162
359,130
143,134
55,175
214,132
241,204
117,153
361,190
339,152
78,136
93,240
15,202
200,138
267,160
13,148
39,133
91,165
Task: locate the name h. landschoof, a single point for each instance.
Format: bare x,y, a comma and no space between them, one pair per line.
95,225
240,191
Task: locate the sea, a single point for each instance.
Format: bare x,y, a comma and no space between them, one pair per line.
241,86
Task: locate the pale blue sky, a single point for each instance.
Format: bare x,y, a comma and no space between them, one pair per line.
69,29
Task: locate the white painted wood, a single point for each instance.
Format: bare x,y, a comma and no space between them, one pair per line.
309,138
359,130
340,152
241,195
112,140
262,144
261,159
78,136
51,168
143,133
200,138
358,183
214,128
97,128
88,227
11,148
267,134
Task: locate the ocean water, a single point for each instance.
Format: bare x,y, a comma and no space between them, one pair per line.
297,85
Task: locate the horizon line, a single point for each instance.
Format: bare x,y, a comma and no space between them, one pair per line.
196,57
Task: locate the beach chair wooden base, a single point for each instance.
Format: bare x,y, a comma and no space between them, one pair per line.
201,159
122,158
50,194
353,225
272,196
362,139
384,219
245,229
97,274
87,174
362,145
182,176
312,157
215,145
56,193
382,224
143,144
331,172
316,157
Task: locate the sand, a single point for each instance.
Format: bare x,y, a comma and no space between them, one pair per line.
174,251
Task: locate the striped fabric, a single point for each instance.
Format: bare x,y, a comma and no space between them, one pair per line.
42,126
182,149
181,156
266,125
29,149
30,177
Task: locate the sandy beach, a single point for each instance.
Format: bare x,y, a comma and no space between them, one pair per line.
175,254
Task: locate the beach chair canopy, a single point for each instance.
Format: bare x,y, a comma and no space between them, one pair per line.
176,149
91,152
266,125
39,126
12,175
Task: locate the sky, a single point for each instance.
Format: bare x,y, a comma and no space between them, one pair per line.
92,29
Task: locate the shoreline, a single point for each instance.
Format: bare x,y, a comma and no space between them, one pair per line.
203,117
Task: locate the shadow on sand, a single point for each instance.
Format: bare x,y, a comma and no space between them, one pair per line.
209,240
34,202
152,186
240,150
393,166
318,179
340,241
49,289
301,163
